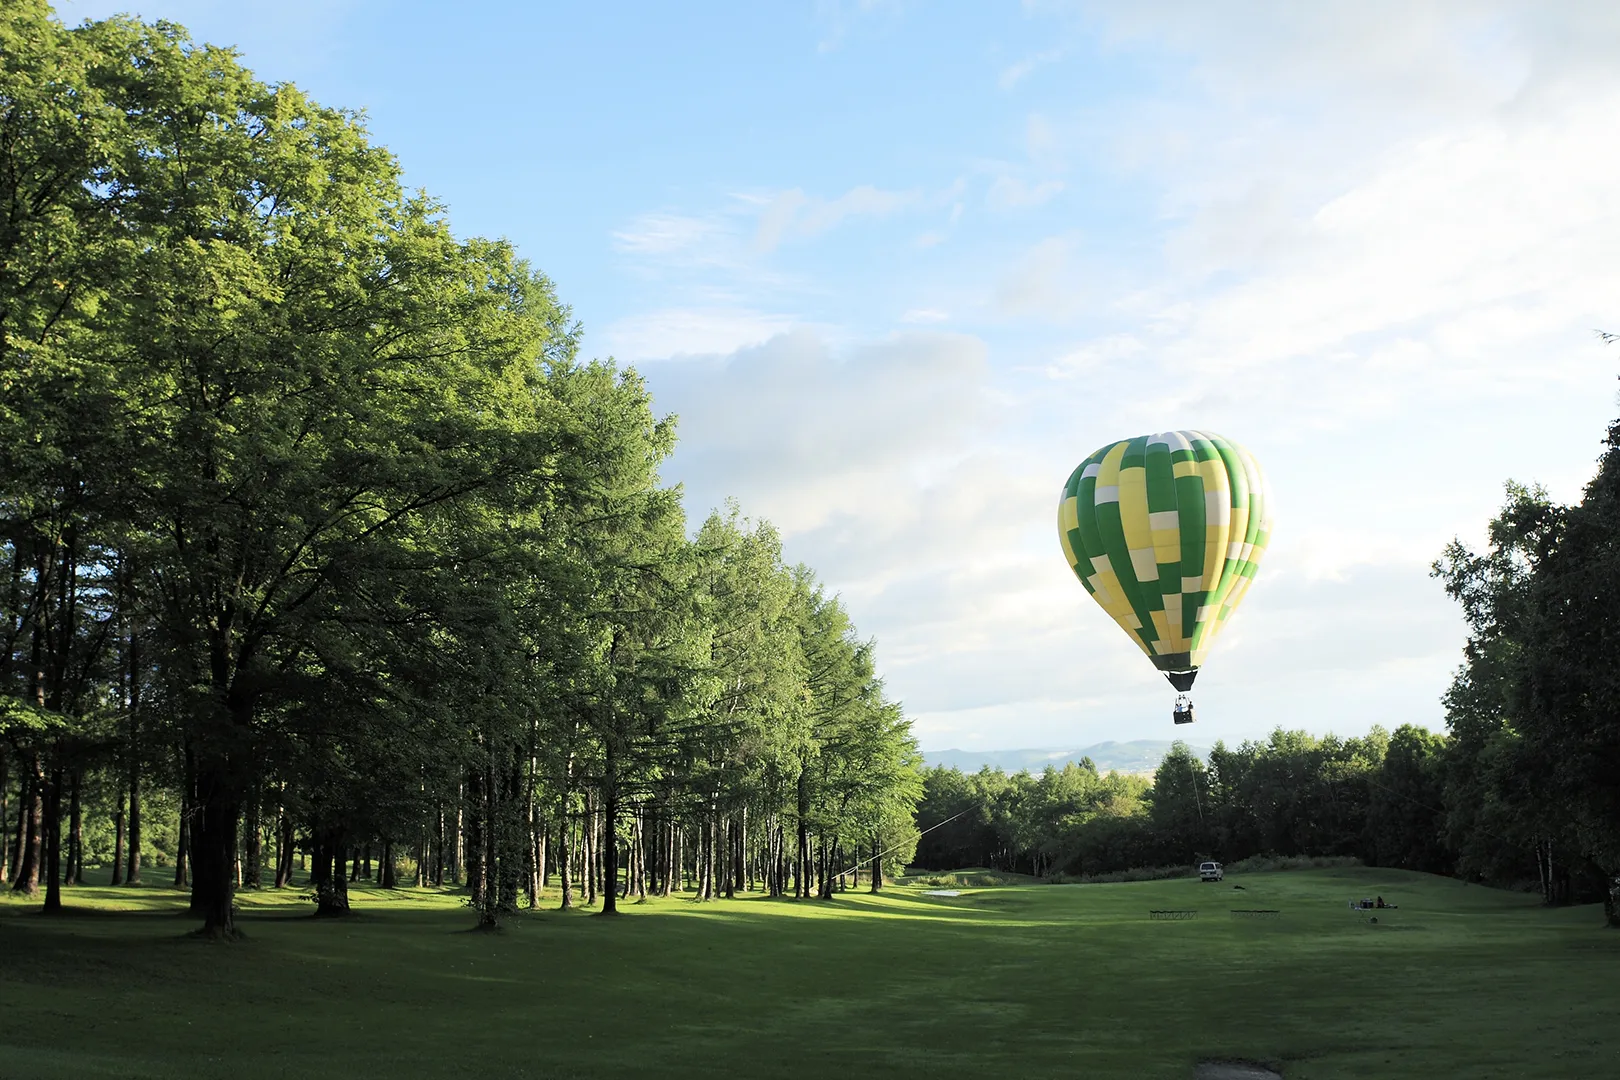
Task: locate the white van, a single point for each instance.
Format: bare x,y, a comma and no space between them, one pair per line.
1210,871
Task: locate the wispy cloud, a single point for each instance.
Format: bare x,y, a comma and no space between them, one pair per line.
666,234
839,17
1012,75
792,214
1110,351
1009,192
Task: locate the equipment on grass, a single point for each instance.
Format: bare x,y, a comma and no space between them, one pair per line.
1165,532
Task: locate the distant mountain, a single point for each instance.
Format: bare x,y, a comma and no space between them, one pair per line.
1137,756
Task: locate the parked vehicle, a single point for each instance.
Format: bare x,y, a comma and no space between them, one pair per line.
1211,871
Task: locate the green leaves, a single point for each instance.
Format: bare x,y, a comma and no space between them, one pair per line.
24,722
341,482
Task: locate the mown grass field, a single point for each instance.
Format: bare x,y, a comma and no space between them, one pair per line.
1037,980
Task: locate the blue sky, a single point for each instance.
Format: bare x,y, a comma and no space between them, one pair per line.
898,266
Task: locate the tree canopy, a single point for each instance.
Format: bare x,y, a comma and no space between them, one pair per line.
322,533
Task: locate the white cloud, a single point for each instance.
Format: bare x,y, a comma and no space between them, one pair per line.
1381,56
802,434
792,214
1044,283
669,332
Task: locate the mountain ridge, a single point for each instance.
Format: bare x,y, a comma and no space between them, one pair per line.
1136,756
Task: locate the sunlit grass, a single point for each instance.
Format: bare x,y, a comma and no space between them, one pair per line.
1026,980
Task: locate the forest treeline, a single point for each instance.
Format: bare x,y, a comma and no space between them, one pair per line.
322,542
1377,798
1522,790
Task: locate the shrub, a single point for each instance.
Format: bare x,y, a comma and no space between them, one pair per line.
1135,873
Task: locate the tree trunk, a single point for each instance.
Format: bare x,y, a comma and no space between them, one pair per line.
182,844
588,857
30,828
484,881
672,864
73,874
801,866
729,861
610,819
641,856
327,876
564,858
5,810
877,862
252,844
542,839
118,842
182,847
438,850
217,816
53,839
511,835
534,848
284,847
457,840
385,868
474,825
132,875
132,871
705,856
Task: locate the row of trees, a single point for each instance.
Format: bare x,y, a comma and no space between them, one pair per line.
1375,797
316,525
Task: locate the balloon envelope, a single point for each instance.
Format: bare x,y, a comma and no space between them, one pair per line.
1165,532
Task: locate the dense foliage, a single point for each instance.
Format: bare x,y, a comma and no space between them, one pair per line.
323,541
1376,798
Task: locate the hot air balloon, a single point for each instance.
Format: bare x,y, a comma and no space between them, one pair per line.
1165,532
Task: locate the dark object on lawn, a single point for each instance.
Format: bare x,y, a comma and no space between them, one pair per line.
1238,887
1234,1070
1157,913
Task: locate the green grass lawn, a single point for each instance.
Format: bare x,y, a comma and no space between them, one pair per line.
1070,980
